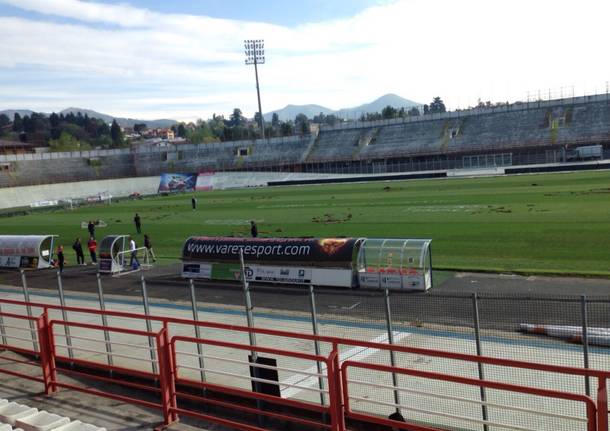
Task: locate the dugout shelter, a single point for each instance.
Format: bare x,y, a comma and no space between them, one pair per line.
27,251
404,264
112,252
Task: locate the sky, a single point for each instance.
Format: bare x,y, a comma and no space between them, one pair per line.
184,59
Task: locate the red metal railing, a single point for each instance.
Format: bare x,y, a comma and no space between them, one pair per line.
591,408
169,386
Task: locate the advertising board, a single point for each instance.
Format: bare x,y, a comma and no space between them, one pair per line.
325,252
171,183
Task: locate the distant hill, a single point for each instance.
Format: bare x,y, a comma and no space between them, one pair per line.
125,122
10,113
291,111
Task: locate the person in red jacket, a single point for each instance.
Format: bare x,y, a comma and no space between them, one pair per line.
92,246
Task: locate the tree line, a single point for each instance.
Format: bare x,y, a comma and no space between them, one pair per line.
62,132
237,127
74,132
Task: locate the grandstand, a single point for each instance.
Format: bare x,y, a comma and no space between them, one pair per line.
512,134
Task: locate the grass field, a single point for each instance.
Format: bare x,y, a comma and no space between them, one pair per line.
552,223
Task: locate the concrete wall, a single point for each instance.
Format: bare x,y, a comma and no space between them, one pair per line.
23,196
13,197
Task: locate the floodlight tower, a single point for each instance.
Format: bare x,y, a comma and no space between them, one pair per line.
255,54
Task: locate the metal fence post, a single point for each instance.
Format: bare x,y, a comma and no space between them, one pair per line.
197,329
249,317
388,317
251,335
585,340
479,347
26,297
151,339
2,329
64,314
100,294
316,343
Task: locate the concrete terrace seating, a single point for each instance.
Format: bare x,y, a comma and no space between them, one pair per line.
19,417
336,144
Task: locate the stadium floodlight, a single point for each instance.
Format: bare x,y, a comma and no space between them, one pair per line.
255,54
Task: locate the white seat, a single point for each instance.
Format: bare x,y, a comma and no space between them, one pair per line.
79,426
6,427
42,421
12,411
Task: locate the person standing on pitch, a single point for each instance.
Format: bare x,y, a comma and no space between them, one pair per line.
92,246
133,261
91,228
78,248
61,259
148,246
138,222
194,203
253,229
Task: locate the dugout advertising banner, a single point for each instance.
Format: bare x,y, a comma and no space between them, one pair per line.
171,183
319,252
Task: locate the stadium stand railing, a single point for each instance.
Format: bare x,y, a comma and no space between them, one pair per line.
170,375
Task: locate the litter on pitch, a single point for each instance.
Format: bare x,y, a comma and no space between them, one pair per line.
382,263
26,251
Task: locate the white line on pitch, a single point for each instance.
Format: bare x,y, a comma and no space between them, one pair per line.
354,354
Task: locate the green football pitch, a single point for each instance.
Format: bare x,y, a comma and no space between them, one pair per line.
551,223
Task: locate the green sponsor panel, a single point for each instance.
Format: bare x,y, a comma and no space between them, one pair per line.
226,271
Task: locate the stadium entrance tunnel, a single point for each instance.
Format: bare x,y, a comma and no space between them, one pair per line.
26,251
383,263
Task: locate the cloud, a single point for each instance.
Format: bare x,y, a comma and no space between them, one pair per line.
119,58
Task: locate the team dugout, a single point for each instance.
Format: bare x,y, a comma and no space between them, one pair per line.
26,251
341,262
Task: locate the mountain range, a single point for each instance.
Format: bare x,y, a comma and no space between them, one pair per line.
287,113
124,122
291,111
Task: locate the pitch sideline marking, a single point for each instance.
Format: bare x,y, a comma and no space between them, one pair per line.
354,354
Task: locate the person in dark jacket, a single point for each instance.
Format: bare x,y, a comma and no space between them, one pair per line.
194,202
138,222
91,228
78,248
148,246
253,229
60,258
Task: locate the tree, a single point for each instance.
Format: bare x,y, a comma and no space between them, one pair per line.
275,120
301,124
331,119
54,122
237,118
413,112
67,142
426,109
17,123
116,134
437,106
286,128
181,130
4,120
139,127
389,112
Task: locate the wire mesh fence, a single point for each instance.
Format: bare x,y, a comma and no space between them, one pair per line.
570,331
